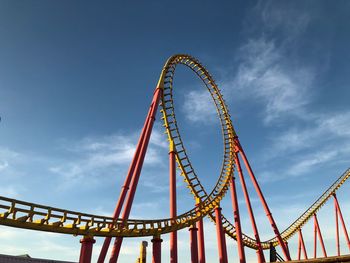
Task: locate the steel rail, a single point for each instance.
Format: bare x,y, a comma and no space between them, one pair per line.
189,176
303,218
22,214
17,213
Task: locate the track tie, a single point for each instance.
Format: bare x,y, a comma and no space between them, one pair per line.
22,218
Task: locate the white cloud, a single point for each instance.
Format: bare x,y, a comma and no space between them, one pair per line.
264,74
289,21
38,244
160,187
8,158
93,156
3,165
309,146
6,153
199,107
320,131
267,69
9,191
269,72
338,124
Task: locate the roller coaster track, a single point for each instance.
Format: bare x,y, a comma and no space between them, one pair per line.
27,215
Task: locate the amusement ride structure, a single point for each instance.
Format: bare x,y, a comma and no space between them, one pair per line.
22,214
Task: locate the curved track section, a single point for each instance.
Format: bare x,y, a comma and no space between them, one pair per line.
184,163
302,220
33,216
26,215
173,132
38,217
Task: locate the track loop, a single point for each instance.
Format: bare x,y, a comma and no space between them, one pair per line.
38,217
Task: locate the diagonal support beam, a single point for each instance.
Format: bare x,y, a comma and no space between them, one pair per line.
301,246
220,236
260,252
263,201
137,172
342,220
318,232
237,219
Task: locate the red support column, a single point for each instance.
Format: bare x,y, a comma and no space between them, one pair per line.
260,253
299,247
224,244
125,187
193,244
157,249
320,236
136,174
86,249
220,236
200,237
263,201
315,238
302,244
337,243
172,188
286,244
342,220
236,217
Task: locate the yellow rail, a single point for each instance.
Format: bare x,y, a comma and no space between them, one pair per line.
22,214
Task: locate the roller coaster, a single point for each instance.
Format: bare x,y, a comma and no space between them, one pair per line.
21,214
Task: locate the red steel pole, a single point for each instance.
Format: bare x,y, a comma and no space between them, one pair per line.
200,238
236,217
224,244
156,249
172,188
342,221
86,249
220,236
320,236
302,244
263,201
315,237
299,246
125,187
336,228
286,243
193,244
136,174
260,253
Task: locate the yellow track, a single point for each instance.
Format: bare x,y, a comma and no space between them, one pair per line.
38,217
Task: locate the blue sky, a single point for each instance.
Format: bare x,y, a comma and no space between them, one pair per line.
77,77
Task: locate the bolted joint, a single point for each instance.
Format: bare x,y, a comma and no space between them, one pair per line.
87,239
171,146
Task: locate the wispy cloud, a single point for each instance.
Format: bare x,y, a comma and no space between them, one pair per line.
98,156
38,244
309,146
289,21
267,70
9,191
199,107
271,75
8,158
265,74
